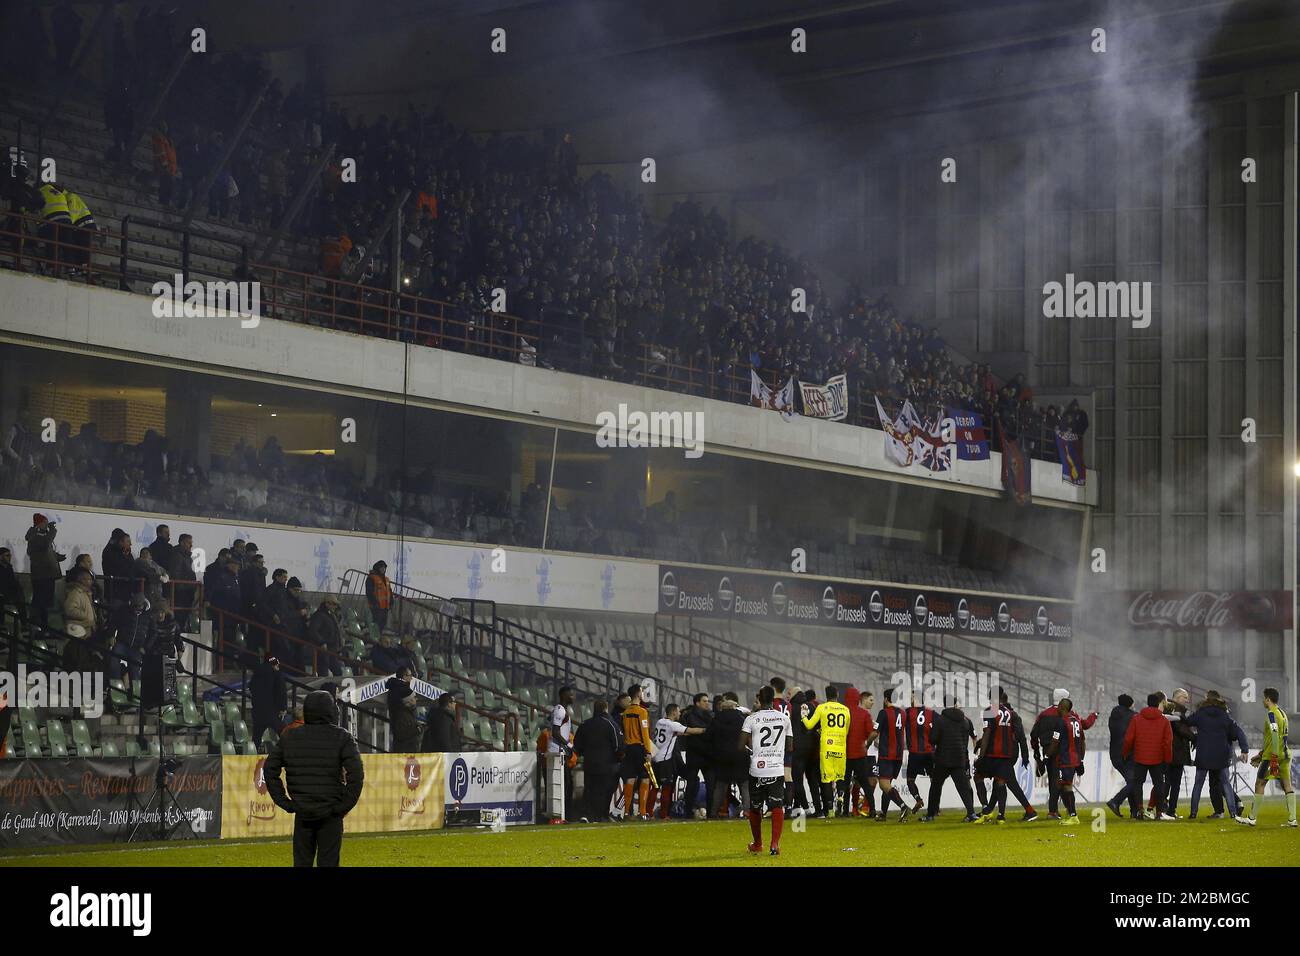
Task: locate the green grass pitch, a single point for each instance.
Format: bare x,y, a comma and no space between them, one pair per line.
843,842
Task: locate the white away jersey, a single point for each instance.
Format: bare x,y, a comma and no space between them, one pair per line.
561,716
665,738
768,731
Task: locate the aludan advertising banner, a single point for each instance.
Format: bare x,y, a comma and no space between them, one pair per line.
819,602
48,801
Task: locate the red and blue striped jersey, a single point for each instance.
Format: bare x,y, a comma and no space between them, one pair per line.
1002,732
1068,734
891,722
920,722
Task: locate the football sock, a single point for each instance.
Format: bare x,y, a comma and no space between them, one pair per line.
1000,790
643,795
1251,811
1290,806
648,801
1014,786
665,802
911,788
627,798
756,825
778,820
982,791
898,797
1067,797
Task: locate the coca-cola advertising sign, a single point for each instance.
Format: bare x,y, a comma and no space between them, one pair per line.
1210,610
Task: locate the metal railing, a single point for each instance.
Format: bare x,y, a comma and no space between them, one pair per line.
556,339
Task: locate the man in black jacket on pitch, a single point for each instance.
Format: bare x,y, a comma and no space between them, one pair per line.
699,756
322,767
597,742
952,735
1120,716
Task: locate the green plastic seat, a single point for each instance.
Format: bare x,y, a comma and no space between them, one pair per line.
249,749
117,695
232,713
269,738
471,696
154,749
216,733
491,701
457,664
184,691
132,748
108,749
499,681
180,749
239,731
57,737
190,714
81,739
211,711
170,717
228,749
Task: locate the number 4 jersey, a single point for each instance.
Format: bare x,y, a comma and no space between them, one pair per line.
768,731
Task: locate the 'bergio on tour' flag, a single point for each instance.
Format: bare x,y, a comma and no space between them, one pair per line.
972,439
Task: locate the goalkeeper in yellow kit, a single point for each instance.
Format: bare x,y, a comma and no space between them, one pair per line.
1273,761
832,718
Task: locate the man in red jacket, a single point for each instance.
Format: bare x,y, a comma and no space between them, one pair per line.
1149,740
856,768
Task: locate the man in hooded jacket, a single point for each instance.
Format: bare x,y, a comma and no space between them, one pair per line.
324,777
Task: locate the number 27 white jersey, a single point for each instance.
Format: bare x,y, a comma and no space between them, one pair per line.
768,731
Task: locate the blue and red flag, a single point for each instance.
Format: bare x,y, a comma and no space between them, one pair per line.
1069,448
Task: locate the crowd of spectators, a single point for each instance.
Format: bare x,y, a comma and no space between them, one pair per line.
606,290
267,485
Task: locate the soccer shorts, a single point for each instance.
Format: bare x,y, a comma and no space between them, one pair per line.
665,772
1066,774
870,769
982,766
889,769
918,764
769,790
832,768
634,763
855,769
1283,768
1003,768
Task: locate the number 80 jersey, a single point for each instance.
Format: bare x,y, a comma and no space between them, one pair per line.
768,731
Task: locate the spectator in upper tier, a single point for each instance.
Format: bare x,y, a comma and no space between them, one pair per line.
379,594
389,657
223,595
441,735
118,567
79,608
45,560
164,163
325,632
403,725
182,569
161,548
11,591
154,577
270,698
